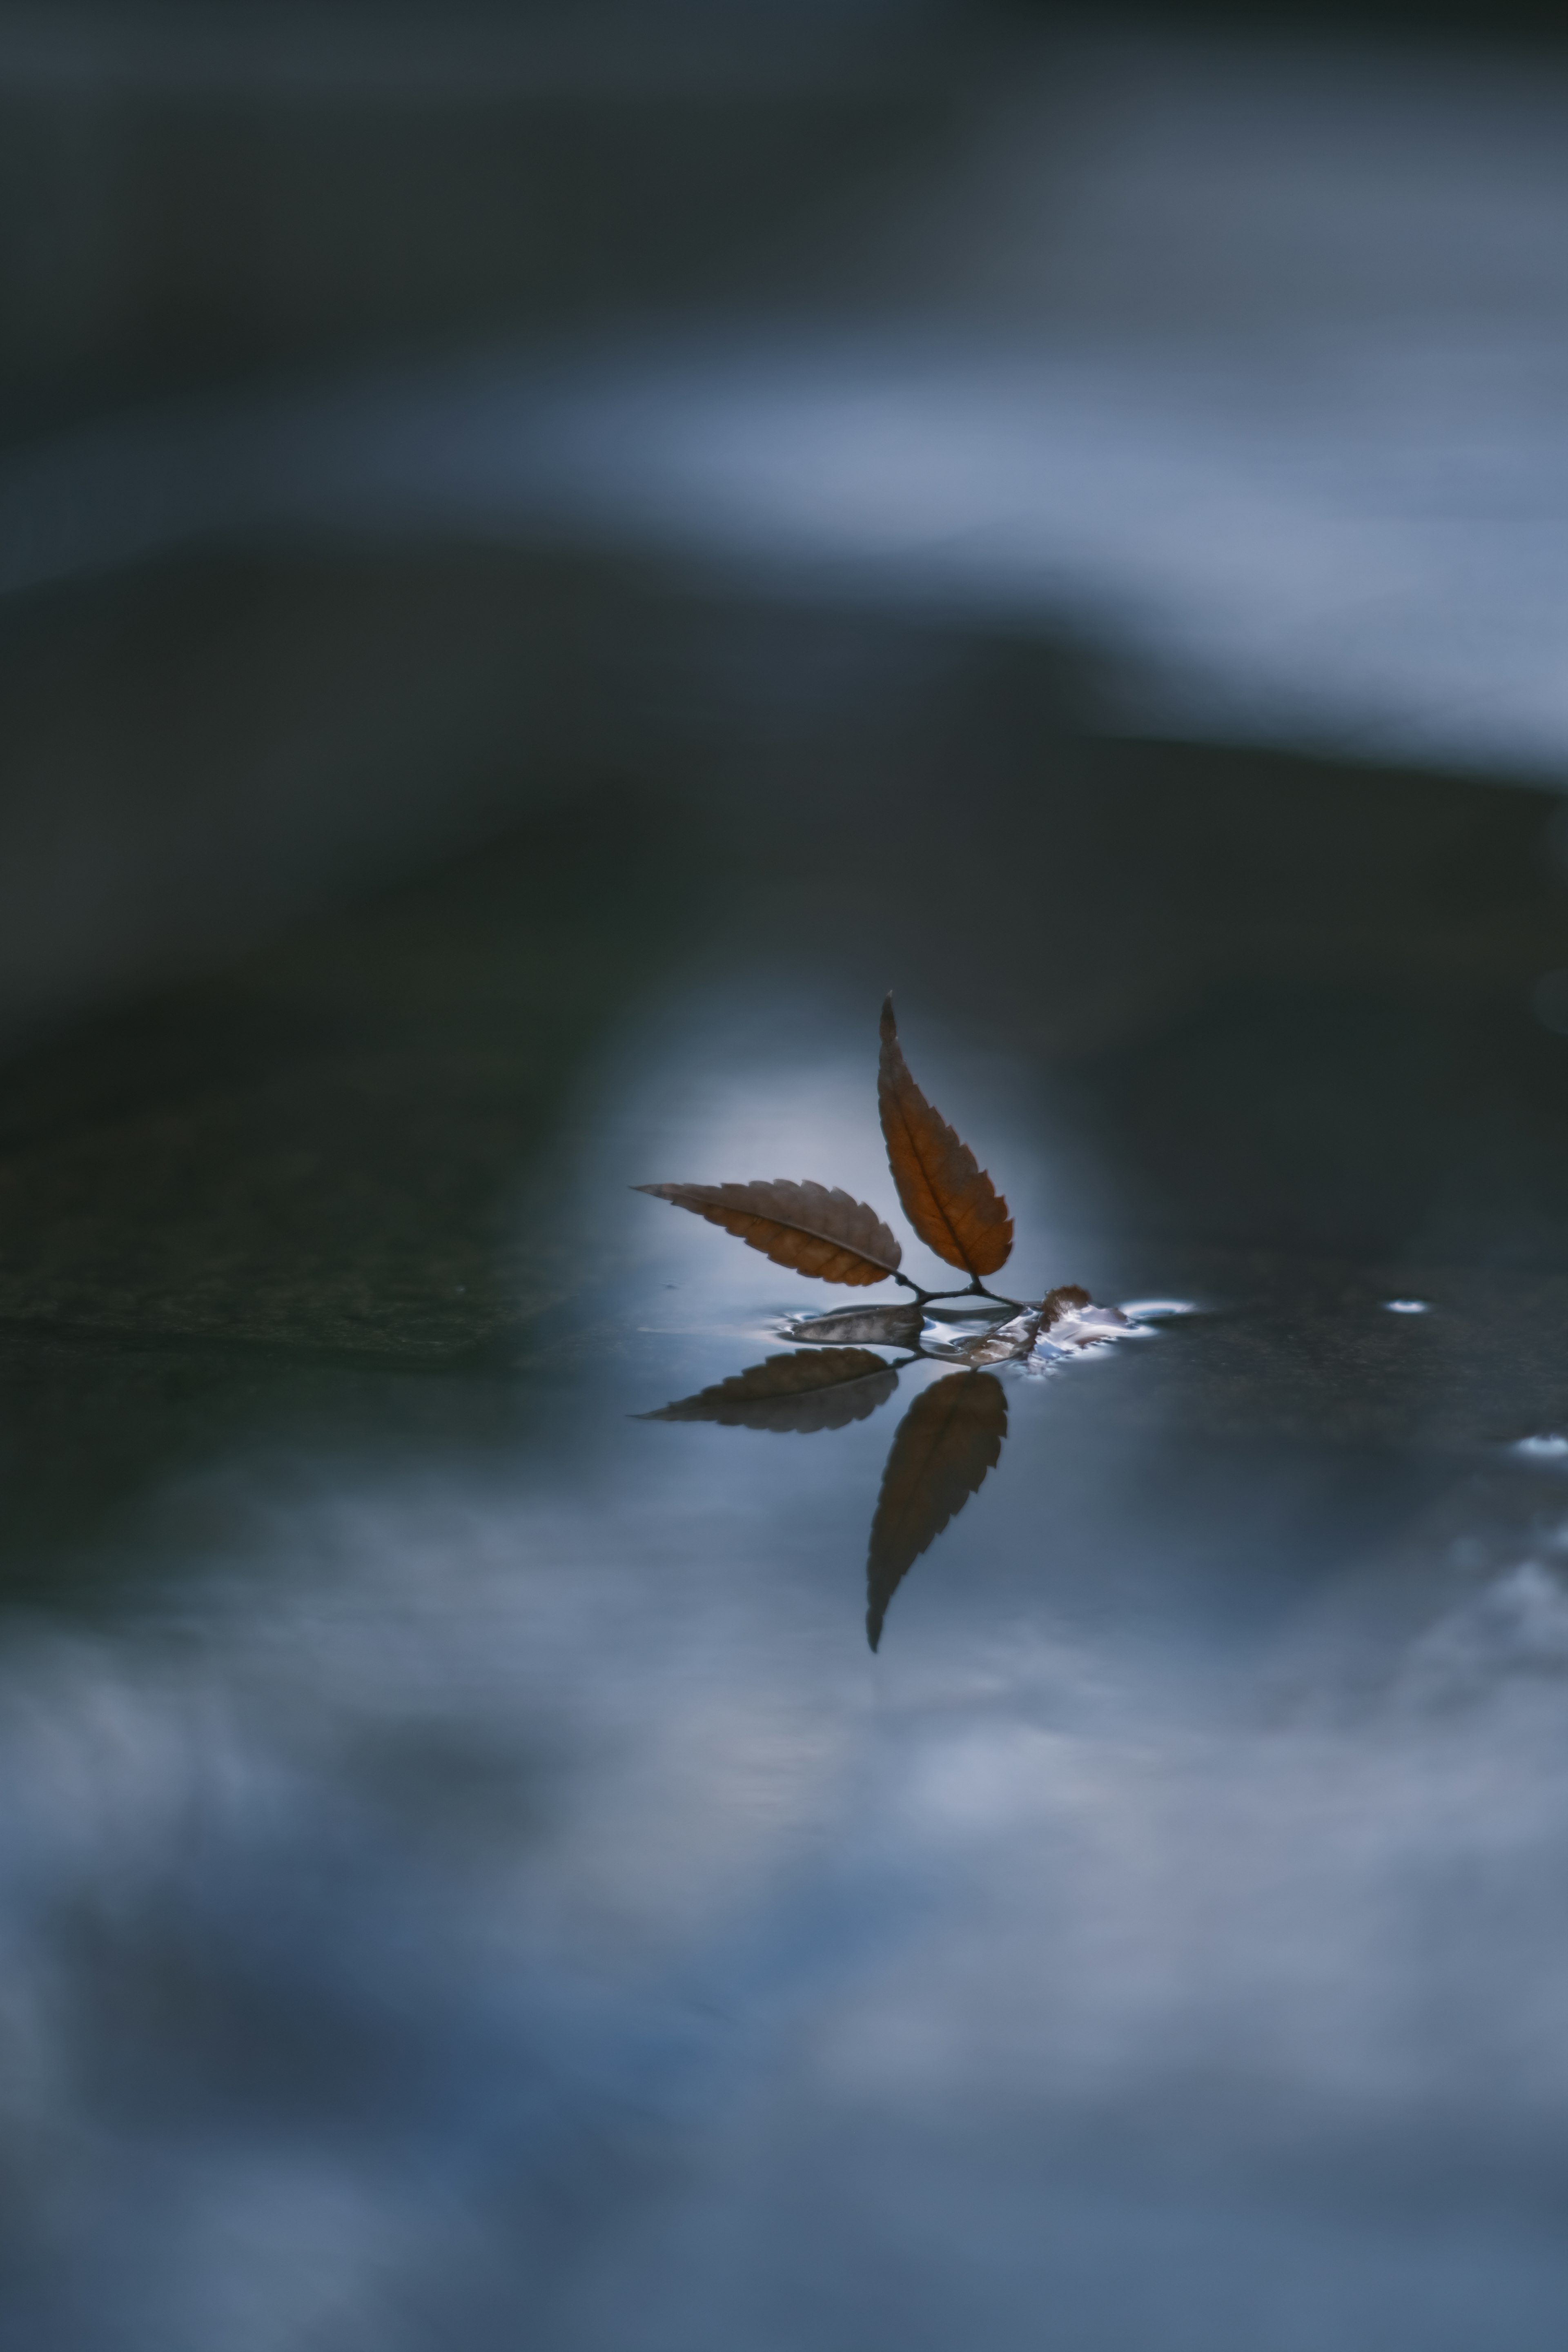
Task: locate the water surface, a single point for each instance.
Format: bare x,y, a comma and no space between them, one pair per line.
466,1877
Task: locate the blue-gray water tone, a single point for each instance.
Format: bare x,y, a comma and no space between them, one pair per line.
527,1824
516,1903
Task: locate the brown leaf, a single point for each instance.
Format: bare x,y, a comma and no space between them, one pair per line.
948,1198
950,1437
801,1225
827,1388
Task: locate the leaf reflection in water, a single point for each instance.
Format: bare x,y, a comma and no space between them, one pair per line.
952,1434
826,1390
950,1437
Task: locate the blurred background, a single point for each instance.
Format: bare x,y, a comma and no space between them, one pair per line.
363,368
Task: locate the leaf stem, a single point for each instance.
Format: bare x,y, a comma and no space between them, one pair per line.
975,1289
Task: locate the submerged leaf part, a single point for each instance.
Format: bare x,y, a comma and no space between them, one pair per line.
827,1390
948,1197
950,1437
1007,1345
1060,1312
878,1327
1077,1323
806,1226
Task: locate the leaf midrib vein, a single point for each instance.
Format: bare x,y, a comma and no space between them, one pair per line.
766,1217
953,1233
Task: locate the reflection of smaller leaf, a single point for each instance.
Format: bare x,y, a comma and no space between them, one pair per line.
878,1326
1067,1301
826,1390
950,1437
806,1226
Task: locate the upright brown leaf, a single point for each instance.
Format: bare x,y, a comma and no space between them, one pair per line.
948,1197
950,1437
801,1225
825,1388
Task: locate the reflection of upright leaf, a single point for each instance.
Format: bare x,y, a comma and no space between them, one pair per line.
950,1437
948,1197
801,1225
827,1388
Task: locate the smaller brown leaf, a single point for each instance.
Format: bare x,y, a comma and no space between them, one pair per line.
827,1388
806,1226
948,1197
950,1437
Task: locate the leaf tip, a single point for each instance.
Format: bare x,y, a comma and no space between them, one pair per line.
888,1024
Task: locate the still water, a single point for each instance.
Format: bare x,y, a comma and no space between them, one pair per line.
467,1879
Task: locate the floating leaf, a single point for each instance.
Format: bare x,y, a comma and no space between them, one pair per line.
881,1326
950,1437
1068,1319
948,1197
827,1390
806,1226
1005,1345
